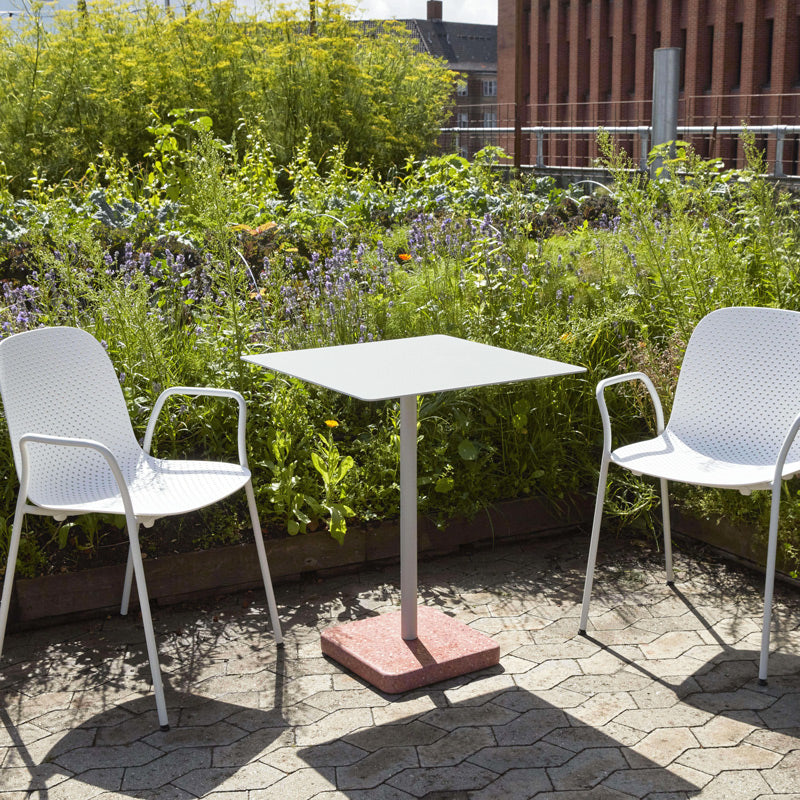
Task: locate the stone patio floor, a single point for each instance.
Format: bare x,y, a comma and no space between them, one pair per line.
661,701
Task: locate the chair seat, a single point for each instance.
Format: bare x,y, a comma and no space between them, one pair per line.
158,488
729,466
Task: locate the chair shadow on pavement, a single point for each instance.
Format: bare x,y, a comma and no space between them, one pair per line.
727,684
121,749
511,744
202,750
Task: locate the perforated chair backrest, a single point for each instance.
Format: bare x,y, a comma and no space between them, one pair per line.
739,384
60,382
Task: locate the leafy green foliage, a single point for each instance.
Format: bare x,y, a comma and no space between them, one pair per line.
213,248
333,469
96,81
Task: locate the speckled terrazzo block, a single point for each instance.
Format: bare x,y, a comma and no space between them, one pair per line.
374,649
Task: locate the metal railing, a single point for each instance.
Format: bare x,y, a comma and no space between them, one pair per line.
563,136
540,134
780,132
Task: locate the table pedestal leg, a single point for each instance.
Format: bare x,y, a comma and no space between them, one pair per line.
417,647
408,517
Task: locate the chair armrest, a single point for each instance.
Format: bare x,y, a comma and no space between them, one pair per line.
197,391
601,402
791,435
64,441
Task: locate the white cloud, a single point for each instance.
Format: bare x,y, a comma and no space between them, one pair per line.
481,11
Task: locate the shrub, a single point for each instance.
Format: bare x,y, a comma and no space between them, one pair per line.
182,267
100,75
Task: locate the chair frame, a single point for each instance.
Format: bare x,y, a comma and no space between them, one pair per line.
134,566
775,488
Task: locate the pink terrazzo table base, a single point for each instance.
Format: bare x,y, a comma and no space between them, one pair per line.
374,649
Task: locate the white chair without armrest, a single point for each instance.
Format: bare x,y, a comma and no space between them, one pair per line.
75,452
733,425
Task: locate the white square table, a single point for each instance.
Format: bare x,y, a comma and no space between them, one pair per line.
423,646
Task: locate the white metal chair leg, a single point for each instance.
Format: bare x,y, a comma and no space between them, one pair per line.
769,584
147,622
126,589
598,517
11,566
667,530
262,560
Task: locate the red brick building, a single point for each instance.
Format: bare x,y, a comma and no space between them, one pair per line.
470,50
590,62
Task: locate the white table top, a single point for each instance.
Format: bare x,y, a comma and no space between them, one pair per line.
418,365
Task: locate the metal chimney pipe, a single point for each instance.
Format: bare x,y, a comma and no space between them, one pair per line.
666,85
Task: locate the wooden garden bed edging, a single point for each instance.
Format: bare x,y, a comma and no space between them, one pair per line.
225,570
189,576
741,543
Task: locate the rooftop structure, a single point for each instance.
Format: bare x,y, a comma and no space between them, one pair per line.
470,49
590,62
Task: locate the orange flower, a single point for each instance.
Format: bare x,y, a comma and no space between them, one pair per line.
404,256
331,423
267,226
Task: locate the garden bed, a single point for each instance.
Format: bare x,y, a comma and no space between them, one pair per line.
267,256
188,576
196,575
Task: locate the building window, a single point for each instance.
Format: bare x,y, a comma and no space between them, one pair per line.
738,49
490,87
462,119
462,90
489,119
797,56
683,60
768,55
708,55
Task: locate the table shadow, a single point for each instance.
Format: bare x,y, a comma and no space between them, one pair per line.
508,743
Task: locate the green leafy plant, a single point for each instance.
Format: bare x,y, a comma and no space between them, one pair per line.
288,500
333,469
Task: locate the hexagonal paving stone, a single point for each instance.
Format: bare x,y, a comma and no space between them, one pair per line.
661,704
